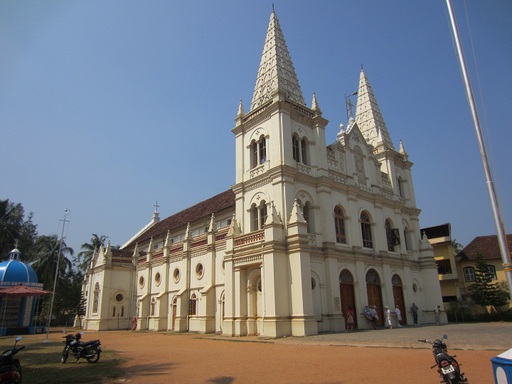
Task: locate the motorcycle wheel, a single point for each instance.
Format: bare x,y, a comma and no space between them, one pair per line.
65,354
95,356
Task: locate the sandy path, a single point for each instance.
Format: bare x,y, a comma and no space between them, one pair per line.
181,358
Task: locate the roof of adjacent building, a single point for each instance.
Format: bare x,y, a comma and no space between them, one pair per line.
199,211
487,246
443,230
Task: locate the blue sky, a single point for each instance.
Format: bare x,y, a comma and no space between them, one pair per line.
107,107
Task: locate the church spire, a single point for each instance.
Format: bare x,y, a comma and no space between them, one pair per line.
368,116
276,72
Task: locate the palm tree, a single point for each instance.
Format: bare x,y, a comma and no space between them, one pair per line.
44,259
84,257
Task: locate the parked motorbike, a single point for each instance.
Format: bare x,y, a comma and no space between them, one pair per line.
447,367
10,368
89,350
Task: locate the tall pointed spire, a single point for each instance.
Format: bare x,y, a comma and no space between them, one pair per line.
368,116
276,72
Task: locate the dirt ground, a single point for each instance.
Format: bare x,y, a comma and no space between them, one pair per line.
159,358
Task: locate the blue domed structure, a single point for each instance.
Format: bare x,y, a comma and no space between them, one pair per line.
15,271
19,287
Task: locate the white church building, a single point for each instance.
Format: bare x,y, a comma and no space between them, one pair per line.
306,230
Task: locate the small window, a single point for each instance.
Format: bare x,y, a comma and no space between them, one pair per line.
119,297
192,305
444,267
199,270
176,275
141,281
469,274
158,279
492,271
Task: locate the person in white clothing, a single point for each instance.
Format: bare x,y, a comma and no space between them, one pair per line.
388,317
398,315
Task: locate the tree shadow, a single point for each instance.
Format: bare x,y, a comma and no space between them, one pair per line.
222,380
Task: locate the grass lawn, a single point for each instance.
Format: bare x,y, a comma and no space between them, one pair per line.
40,363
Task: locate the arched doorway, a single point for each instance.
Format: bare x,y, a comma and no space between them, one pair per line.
398,296
347,293
374,293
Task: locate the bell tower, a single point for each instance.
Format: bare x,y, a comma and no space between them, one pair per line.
280,149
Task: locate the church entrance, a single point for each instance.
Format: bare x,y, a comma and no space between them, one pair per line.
374,293
398,296
254,303
347,294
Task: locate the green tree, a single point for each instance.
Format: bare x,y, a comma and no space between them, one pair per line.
14,227
44,259
483,291
84,257
457,247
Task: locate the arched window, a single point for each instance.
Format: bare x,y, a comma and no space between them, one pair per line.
153,307
96,298
258,151
258,215
339,225
192,309
296,148
366,229
389,235
299,150
307,214
400,185
407,236
307,217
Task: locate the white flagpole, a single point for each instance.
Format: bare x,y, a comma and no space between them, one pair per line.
500,226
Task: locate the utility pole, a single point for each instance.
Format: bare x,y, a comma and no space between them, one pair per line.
66,213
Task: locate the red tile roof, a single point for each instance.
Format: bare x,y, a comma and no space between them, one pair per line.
199,211
487,246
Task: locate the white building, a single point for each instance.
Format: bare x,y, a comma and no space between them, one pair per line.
306,231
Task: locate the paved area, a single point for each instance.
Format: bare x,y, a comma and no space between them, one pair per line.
468,336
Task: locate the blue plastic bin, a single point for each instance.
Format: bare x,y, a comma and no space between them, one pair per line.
502,368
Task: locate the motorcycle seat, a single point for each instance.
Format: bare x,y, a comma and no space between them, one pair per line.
87,343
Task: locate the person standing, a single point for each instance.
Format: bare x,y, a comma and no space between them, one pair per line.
349,318
388,317
398,315
437,313
375,316
414,310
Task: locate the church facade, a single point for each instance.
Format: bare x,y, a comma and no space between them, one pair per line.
306,231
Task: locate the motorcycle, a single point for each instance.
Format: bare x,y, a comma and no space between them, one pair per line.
10,368
89,350
447,367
